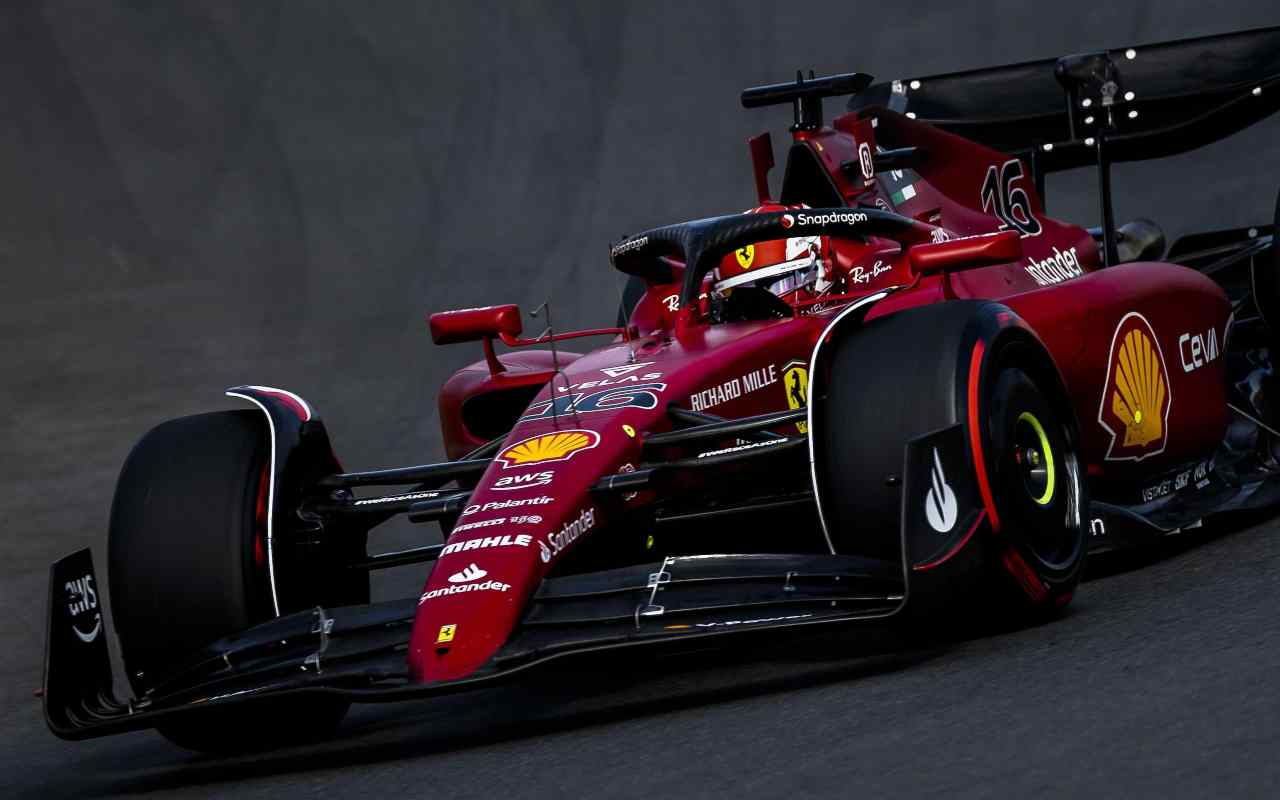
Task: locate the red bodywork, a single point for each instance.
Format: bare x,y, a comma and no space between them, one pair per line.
1148,330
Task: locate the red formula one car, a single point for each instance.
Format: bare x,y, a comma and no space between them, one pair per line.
895,385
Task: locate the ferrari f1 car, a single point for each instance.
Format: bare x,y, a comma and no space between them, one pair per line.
893,387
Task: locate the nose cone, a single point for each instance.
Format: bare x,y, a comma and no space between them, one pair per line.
464,616
532,505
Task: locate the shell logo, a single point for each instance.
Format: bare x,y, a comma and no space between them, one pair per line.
1136,398
559,446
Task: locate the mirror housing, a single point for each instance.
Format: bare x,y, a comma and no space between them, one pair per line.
475,324
966,253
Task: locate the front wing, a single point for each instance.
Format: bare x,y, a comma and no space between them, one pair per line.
358,652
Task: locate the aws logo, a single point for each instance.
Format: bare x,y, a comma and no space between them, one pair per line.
528,481
1135,398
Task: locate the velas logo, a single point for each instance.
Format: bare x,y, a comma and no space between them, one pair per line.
619,371
1135,398
559,446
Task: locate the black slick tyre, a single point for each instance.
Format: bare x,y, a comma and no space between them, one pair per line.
889,381
187,566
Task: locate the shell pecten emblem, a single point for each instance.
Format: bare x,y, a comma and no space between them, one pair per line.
1136,397
547,447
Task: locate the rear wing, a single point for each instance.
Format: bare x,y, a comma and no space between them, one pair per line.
1165,99
1127,104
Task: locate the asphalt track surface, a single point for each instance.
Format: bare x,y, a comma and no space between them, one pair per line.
198,196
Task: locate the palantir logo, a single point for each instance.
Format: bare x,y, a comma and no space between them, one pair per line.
471,573
939,500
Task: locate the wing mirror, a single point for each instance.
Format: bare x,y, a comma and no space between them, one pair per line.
482,324
475,324
966,253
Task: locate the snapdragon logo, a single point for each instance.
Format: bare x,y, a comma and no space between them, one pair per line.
627,247
848,217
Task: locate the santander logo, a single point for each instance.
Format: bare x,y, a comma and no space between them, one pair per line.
471,573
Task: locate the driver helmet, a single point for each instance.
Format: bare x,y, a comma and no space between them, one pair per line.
781,266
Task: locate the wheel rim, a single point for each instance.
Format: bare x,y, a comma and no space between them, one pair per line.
1037,473
1034,456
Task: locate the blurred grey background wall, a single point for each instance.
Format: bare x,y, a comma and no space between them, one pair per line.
195,195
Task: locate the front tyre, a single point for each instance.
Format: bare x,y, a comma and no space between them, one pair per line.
187,566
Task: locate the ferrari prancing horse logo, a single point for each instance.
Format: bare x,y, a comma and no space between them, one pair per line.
746,256
1135,398
795,379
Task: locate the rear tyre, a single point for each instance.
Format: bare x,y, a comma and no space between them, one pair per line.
187,565
901,377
